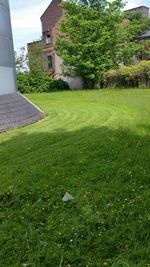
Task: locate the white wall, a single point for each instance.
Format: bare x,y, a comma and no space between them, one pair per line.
74,83
7,62
7,82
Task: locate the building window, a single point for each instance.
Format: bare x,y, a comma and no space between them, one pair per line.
50,62
48,39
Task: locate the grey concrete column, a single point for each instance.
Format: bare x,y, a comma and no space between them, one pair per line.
7,61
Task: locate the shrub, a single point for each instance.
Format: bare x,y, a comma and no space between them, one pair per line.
58,85
133,76
28,83
23,83
40,83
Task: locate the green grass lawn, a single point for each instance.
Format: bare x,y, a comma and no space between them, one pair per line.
96,146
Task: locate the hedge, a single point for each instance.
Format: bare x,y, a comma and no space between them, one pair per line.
126,77
28,83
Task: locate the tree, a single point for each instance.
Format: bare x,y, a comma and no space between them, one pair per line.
129,47
89,40
21,60
35,58
32,61
30,73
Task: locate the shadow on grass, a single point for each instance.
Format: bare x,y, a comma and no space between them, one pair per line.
107,171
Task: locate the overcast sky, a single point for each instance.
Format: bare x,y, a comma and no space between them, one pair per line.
26,15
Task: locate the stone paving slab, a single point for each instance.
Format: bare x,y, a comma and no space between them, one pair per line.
16,111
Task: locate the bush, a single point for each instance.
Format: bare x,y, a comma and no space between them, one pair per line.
126,77
58,85
27,83
23,83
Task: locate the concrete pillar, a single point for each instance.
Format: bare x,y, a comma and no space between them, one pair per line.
7,61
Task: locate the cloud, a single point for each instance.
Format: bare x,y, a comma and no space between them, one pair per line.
26,15
136,3
132,4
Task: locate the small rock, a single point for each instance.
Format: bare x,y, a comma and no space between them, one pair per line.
67,197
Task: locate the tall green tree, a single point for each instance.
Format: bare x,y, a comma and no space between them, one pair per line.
89,41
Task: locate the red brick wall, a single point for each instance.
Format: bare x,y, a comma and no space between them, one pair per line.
51,16
50,20
143,9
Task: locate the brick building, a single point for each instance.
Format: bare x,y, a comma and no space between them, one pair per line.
143,9
50,20
145,36
51,62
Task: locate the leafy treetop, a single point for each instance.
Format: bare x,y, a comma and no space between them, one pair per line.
88,43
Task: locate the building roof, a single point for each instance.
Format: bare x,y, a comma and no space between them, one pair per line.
51,16
135,8
53,2
34,42
144,36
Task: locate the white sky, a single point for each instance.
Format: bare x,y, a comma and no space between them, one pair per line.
26,15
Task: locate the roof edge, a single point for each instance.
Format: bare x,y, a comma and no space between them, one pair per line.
46,9
134,8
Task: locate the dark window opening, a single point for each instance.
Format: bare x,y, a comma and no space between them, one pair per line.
50,62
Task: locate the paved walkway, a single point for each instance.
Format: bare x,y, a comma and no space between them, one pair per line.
17,111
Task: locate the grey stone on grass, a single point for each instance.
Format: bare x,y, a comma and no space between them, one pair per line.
67,197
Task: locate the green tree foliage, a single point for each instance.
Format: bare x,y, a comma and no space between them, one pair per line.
129,47
21,60
35,58
88,43
28,83
31,77
29,68
30,62
97,36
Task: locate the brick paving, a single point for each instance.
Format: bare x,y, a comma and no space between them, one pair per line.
16,111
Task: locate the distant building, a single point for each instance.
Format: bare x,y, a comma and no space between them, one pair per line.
145,12
145,36
50,20
51,62
143,9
